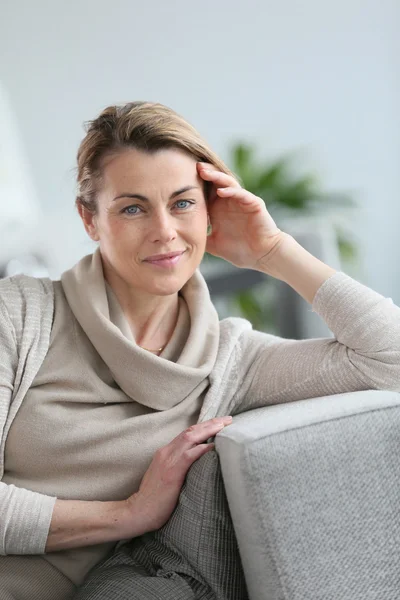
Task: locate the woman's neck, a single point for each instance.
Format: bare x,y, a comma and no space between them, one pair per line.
152,322
154,330
152,319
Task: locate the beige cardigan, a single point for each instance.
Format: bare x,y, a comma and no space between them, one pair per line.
250,369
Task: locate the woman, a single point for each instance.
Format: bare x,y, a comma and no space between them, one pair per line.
113,378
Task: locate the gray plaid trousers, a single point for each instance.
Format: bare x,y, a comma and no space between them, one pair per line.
194,556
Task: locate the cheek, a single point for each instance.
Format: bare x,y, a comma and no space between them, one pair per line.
194,230
119,229
117,235
116,227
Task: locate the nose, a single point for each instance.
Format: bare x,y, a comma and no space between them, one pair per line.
162,227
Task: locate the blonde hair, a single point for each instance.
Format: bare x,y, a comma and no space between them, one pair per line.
145,126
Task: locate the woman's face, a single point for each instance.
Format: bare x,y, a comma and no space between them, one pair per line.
131,229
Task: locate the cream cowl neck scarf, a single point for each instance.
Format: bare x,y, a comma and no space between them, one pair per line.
137,372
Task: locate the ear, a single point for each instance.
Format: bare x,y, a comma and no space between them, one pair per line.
89,221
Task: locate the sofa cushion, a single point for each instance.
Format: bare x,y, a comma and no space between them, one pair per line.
193,556
313,488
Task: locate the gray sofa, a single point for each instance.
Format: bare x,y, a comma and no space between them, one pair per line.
314,493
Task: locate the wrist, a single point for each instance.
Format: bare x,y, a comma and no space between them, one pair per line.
134,519
275,261
294,265
77,523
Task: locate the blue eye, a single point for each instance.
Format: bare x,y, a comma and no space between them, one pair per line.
128,210
180,201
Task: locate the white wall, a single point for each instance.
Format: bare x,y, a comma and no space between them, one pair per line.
289,74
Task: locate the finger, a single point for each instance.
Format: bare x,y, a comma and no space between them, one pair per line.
226,191
196,434
206,165
235,192
219,178
198,451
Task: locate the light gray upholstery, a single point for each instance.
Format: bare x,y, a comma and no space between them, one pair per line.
314,493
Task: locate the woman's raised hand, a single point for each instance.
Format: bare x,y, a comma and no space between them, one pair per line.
161,485
243,231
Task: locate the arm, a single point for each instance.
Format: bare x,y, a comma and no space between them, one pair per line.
24,515
24,520
78,523
33,523
294,265
365,353
30,522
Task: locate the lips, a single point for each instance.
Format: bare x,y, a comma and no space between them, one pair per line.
158,257
166,263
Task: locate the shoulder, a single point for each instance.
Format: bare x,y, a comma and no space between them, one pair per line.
21,291
232,333
26,300
249,344
24,286
234,327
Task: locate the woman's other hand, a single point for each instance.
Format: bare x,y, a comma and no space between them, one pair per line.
162,483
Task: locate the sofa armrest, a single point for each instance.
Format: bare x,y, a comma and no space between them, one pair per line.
314,492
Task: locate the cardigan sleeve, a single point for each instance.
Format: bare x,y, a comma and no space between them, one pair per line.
363,354
25,515
25,520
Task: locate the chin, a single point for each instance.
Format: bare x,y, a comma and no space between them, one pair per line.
164,291
168,282
167,287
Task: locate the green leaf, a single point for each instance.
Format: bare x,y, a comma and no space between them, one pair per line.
347,249
299,194
242,157
273,177
248,304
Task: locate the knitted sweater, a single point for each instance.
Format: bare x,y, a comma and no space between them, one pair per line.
248,369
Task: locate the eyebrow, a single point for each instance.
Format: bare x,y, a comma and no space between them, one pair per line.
173,195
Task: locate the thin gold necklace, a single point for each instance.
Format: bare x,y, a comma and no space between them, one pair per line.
160,349
155,351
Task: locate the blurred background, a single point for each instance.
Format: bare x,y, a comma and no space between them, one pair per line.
301,99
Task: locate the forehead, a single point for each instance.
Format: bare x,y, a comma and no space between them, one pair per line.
136,168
